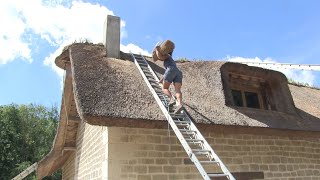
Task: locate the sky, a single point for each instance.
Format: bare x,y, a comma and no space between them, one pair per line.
34,32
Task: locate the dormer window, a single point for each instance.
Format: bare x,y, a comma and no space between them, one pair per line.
247,91
249,88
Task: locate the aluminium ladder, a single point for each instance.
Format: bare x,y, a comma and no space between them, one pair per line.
197,148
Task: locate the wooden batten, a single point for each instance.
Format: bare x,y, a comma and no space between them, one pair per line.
69,148
74,119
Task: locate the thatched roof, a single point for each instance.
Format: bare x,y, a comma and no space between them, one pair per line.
111,92
111,89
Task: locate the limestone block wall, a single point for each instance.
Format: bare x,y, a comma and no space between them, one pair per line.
91,157
68,170
150,154
115,153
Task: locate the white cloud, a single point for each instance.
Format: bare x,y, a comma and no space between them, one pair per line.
123,32
297,75
300,76
57,24
134,49
11,34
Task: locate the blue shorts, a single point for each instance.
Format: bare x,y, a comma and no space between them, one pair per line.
173,74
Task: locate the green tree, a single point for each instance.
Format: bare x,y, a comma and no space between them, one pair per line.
26,136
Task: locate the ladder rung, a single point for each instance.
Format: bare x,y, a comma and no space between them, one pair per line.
209,162
186,122
152,80
182,123
154,83
194,140
158,90
156,87
217,175
161,97
177,116
139,57
187,130
143,64
188,133
200,150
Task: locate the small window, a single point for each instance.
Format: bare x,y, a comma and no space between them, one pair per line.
245,99
252,100
237,97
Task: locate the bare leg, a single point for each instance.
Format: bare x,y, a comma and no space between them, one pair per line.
177,87
165,89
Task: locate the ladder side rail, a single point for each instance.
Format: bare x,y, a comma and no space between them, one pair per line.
208,147
26,172
186,146
175,128
147,82
150,69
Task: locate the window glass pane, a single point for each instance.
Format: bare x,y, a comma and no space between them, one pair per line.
252,100
237,97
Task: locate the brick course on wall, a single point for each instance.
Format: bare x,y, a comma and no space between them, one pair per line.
156,154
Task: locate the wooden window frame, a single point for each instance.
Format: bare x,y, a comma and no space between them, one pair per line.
244,100
245,83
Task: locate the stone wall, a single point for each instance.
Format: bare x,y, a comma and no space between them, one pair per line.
153,154
91,157
69,168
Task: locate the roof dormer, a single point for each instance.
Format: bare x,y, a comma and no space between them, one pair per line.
257,88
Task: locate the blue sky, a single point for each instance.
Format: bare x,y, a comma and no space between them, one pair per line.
34,32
